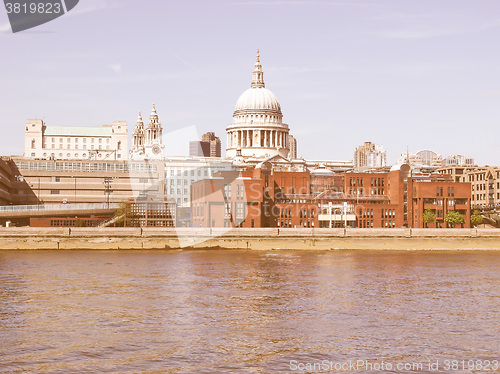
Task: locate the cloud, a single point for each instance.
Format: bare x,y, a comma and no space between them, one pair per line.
117,68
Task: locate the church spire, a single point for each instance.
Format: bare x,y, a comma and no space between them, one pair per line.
258,74
139,120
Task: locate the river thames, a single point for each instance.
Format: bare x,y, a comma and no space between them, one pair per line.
249,311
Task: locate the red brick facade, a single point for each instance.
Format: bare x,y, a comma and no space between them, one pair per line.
271,197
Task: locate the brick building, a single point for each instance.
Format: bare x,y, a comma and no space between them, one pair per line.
484,180
398,197
260,196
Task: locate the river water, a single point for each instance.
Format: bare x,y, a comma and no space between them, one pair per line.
249,311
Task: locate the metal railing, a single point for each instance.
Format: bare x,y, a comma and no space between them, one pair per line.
58,207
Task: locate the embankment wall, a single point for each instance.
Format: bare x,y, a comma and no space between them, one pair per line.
255,239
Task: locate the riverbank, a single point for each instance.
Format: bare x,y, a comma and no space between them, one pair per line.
255,239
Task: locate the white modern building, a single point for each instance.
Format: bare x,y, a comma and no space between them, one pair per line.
369,156
106,142
293,147
424,157
458,160
257,129
182,172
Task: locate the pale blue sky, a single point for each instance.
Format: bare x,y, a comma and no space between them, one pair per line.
422,74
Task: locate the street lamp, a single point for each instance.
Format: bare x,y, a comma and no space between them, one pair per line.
107,190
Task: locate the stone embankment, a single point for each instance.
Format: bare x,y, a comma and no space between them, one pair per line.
255,239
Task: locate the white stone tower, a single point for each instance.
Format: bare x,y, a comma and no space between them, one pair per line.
137,150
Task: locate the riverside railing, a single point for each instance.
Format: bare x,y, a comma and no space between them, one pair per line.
58,207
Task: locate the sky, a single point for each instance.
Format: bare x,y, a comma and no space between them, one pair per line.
419,74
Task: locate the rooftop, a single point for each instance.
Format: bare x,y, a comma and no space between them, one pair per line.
104,130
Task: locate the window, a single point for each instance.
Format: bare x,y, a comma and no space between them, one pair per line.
33,143
55,192
55,179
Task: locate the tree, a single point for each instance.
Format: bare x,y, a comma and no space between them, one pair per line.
476,218
80,223
123,212
429,217
454,218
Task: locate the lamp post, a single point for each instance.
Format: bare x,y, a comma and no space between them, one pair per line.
19,178
345,214
107,181
107,187
38,200
74,177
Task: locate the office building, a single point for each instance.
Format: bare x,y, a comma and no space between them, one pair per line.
369,156
106,142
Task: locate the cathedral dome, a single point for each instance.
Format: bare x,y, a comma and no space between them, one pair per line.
257,130
257,99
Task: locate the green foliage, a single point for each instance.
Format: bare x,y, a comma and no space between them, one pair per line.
80,223
429,216
123,213
454,218
476,218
